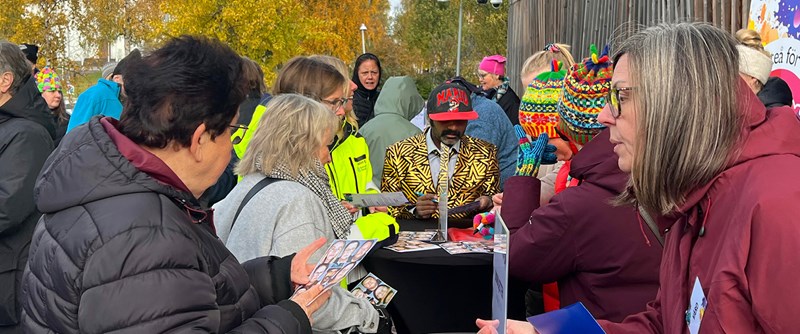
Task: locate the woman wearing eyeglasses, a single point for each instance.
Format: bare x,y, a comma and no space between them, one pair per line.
495,85
717,162
289,147
597,252
350,170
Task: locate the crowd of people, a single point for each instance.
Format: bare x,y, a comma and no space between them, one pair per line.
182,194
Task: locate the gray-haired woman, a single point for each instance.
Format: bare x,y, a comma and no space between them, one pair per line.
290,146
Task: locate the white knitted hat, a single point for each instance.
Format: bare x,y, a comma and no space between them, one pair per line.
754,63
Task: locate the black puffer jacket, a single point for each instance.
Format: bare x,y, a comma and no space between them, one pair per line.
775,93
26,139
118,251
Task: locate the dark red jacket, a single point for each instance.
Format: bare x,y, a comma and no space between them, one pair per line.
600,254
747,257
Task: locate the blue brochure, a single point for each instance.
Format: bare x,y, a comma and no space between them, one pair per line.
571,319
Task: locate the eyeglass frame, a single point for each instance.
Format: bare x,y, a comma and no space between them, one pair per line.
613,100
234,130
337,103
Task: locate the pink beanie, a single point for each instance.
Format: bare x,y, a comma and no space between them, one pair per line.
494,64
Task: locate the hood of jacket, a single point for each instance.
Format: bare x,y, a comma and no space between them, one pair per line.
28,104
64,181
597,162
400,97
361,90
766,133
776,93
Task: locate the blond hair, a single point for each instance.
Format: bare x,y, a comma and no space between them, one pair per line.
291,132
545,57
309,77
749,38
340,66
688,120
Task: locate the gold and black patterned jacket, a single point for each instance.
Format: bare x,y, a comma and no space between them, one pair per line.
406,169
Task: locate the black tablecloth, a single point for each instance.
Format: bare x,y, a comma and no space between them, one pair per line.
439,292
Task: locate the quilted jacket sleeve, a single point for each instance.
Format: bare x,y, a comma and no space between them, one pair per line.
144,280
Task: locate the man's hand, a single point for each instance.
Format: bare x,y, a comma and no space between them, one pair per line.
425,206
306,299
512,327
497,200
301,269
350,208
486,203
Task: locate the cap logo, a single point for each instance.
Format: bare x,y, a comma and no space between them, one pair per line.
453,97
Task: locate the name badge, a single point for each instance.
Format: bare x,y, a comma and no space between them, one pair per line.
697,307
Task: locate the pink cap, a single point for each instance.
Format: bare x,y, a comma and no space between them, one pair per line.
494,64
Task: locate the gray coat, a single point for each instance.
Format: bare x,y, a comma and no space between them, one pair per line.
281,219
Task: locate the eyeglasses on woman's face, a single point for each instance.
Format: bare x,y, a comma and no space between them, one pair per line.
237,136
336,104
613,100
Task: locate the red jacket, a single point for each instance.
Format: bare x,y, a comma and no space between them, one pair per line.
747,257
598,253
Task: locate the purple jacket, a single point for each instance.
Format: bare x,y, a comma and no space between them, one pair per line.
599,254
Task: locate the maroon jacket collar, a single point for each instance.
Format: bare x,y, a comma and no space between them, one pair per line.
142,159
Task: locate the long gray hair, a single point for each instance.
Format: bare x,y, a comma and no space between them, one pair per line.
689,119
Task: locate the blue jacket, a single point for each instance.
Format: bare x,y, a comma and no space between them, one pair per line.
100,99
493,126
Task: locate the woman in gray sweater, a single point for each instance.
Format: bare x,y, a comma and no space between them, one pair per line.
290,145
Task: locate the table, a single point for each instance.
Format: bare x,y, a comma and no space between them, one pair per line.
439,292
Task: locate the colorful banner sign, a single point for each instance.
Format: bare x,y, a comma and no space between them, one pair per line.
778,23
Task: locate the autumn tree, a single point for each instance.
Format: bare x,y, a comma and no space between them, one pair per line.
427,32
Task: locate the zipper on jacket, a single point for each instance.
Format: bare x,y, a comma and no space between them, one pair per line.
355,173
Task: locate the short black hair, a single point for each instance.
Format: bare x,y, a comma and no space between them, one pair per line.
191,80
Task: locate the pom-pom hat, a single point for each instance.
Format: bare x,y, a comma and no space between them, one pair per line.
537,109
584,95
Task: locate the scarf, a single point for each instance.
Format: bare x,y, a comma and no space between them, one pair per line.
317,181
501,90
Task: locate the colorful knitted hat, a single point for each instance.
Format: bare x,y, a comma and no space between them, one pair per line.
47,80
537,109
584,96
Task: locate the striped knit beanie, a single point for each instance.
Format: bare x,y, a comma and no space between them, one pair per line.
584,96
537,109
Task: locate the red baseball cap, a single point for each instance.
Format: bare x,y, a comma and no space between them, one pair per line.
450,102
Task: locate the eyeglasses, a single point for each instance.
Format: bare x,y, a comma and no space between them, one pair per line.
613,100
236,136
480,75
337,103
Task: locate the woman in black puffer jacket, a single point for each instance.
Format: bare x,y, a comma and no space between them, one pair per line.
124,245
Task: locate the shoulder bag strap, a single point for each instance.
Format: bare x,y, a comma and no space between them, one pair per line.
253,191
